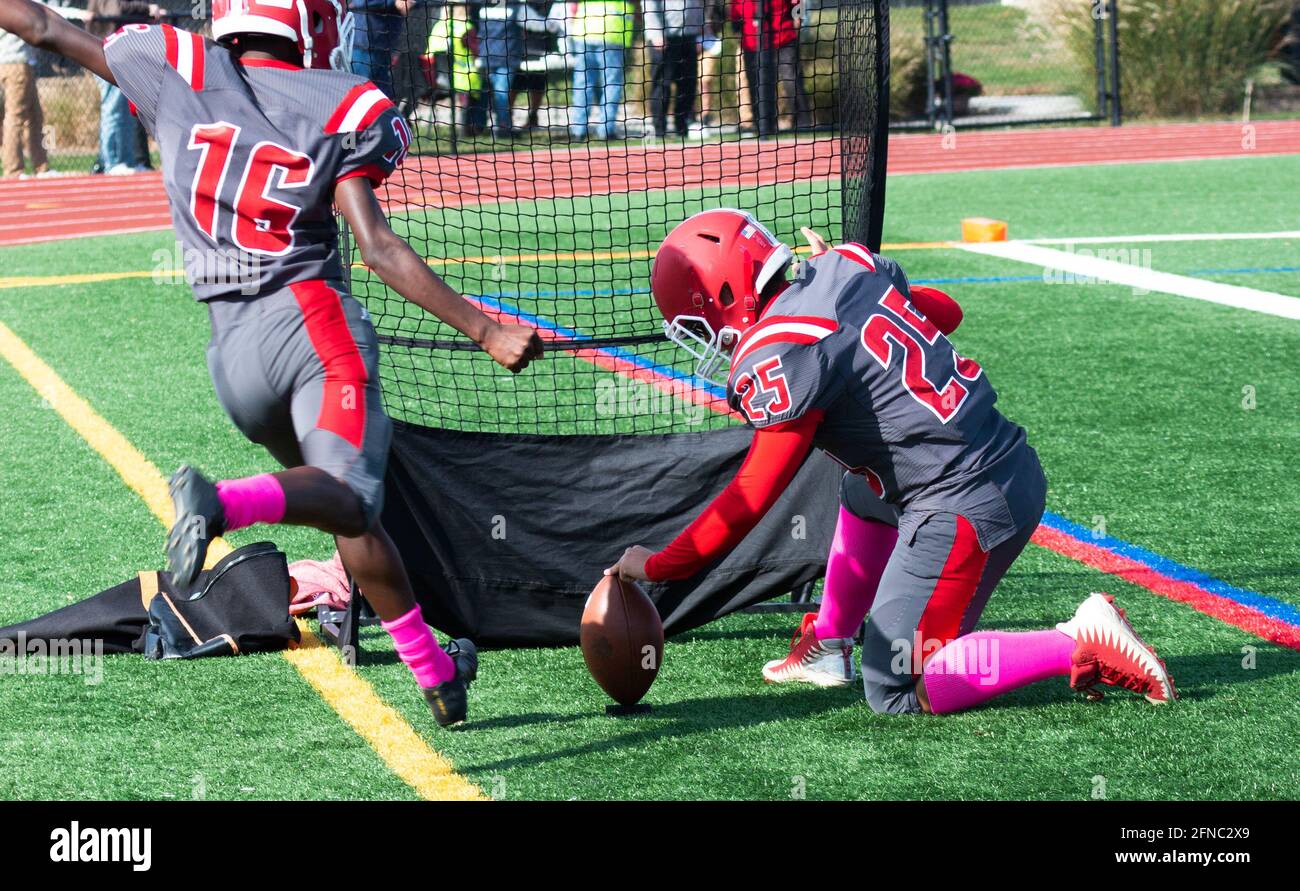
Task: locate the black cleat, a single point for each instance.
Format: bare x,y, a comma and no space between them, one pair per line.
463,652
199,519
449,700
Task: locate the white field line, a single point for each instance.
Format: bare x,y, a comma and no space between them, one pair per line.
1146,239
1137,277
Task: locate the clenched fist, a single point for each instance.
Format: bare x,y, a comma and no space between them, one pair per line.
512,346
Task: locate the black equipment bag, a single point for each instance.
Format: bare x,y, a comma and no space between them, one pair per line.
244,609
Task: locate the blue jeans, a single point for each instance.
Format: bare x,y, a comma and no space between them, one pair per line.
499,77
597,81
118,141
373,43
475,114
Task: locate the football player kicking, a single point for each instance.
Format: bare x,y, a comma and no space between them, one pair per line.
259,134
942,491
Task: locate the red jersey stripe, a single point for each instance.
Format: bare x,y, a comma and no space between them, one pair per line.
343,403
197,62
776,329
953,591
172,44
336,119
360,108
857,253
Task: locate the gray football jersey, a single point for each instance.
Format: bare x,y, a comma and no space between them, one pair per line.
900,406
251,153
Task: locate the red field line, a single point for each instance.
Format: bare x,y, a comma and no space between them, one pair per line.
45,210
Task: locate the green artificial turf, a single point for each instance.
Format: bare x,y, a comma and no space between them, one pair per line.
1133,401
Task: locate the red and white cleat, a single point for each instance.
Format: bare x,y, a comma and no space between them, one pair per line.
1107,650
824,663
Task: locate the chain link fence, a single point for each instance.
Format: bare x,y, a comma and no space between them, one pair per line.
70,98
972,63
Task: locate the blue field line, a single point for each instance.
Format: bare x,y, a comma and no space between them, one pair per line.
1245,270
714,390
1277,609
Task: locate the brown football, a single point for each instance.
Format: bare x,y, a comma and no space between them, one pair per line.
622,639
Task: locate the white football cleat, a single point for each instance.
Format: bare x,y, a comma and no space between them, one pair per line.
823,663
1109,651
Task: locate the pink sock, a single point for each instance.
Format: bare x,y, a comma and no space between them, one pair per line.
419,649
859,552
253,499
977,667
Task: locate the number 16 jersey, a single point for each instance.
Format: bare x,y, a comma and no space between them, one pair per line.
251,152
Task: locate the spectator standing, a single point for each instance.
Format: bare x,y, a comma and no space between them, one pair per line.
744,99
672,30
538,43
599,34
715,24
780,34
455,37
123,147
378,26
23,120
501,49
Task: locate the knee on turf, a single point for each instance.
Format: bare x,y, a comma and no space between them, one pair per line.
892,699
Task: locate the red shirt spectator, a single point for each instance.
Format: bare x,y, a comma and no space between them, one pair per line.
783,28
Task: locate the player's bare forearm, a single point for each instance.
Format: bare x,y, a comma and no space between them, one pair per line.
45,29
391,258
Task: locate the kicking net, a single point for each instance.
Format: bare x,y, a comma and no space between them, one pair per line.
555,145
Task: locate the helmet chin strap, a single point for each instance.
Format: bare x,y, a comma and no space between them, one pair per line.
305,27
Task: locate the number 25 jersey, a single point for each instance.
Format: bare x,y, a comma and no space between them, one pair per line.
899,405
251,152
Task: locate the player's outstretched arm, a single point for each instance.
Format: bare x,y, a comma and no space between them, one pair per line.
774,457
512,346
45,29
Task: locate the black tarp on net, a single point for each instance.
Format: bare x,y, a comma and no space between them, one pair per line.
555,146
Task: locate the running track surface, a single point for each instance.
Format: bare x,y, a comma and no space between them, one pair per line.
34,211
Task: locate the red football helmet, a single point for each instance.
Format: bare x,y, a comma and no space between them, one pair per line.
707,278
321,28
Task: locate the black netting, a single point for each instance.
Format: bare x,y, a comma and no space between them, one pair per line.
553,216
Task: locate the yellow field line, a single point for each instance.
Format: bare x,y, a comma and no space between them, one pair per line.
84,278
355,701
176,275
